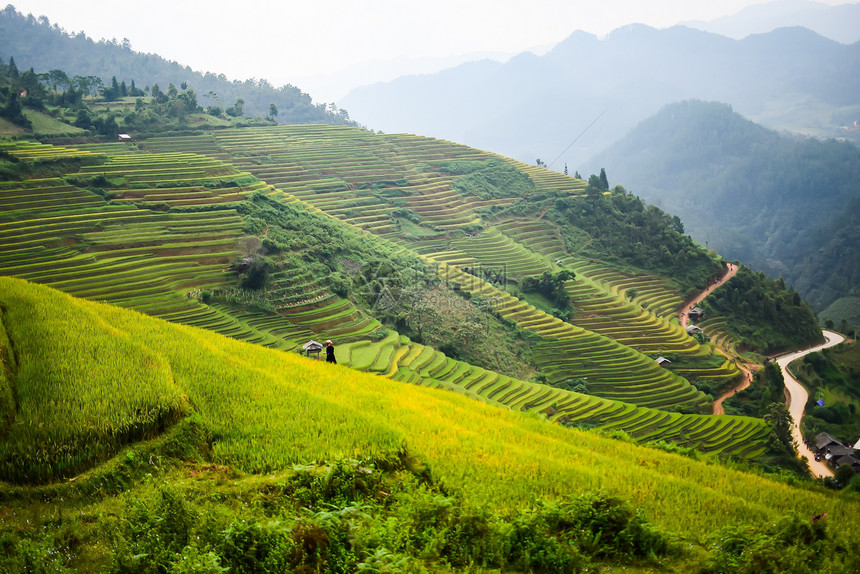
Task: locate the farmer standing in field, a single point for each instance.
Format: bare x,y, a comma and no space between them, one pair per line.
329,352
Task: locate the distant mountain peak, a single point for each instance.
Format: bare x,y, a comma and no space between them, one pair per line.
839,23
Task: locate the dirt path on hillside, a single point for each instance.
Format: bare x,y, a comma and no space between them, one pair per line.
797,397
731,271
747,370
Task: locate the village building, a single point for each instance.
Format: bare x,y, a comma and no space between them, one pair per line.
850,461
694,330
696,314
663,361
834,452
824,440
312,347
124,138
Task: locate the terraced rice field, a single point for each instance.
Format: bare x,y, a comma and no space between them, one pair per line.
38,152
69,238
364,179
495,250
58,234
144,250
349,173
743,437
652,293
612,370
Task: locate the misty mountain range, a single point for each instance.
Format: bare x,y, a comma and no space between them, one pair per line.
535,106
787,205
835,22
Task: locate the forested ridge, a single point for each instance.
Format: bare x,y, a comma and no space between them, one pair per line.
618,226
36,43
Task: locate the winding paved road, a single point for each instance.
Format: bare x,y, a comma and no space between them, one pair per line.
798,397
797,394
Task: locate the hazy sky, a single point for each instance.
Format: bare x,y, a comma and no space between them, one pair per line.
288,41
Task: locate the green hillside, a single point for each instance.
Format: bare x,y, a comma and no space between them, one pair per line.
531,297
417,256
266,461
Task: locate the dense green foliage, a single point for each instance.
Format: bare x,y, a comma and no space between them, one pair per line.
35,43
551,286
488,180
784,205
793,544
833,375
67,105
765,398
765,315
767,387
621,229
349,516
12,85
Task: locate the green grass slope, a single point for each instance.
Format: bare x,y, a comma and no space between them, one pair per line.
265,411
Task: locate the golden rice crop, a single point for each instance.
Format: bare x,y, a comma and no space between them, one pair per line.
267,409
83,388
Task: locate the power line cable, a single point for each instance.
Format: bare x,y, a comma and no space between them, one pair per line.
576,139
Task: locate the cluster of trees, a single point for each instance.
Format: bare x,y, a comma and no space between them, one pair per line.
551,286
763,313
52,89
118,90
618,227
29,89
35,42
12,87
488,179
74,99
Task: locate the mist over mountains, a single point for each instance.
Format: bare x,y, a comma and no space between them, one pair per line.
535,106
835,22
